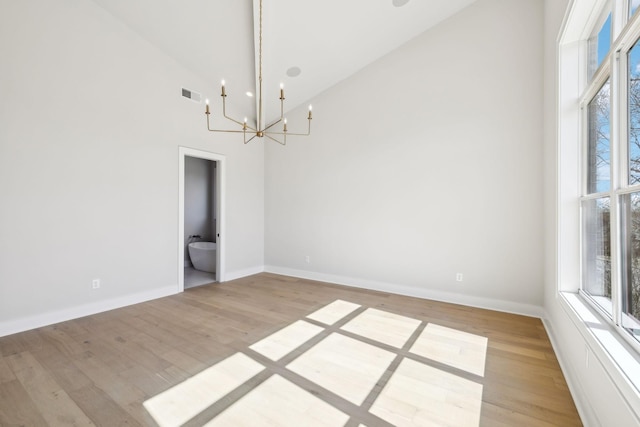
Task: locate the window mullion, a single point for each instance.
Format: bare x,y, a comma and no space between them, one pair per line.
618,180
619,14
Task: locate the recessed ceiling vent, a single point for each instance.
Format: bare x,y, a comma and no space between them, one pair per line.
194,96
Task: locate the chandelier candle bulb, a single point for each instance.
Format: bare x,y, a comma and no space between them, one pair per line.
285,125
207,107
223,92
281,91
310,108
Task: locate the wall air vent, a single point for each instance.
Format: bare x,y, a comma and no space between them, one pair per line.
194,96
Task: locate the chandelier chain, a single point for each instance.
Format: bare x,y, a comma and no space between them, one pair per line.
260,71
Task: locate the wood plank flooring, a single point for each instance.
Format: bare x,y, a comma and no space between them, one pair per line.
101,369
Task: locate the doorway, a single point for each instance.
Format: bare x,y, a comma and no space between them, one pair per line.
203,195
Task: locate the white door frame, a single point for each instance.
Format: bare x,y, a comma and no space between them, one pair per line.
220,206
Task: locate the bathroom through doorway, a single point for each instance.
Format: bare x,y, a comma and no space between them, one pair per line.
201,218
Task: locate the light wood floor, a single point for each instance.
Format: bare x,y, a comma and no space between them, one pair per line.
101,369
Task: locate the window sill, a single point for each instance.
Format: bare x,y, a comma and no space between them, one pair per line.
617,357
604,303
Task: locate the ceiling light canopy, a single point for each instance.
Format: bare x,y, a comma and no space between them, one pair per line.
260,130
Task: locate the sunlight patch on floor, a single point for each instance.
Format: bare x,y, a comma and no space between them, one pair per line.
184,401
331,313
347,367
420,395
287,339
455,348
278,402
384,327
411,390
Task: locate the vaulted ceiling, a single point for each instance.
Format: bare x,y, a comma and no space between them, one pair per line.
328,40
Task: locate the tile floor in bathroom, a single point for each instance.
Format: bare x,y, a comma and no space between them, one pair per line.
193,277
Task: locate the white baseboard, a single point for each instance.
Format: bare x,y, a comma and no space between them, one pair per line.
50,318
238,274
32,322
472,301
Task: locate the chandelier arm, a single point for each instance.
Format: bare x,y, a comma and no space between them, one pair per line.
224,113
221,130
227,131
238,122
241,124
278,141
281,114
250,139
292,133
272,124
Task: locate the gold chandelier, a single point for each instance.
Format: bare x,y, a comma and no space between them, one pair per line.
259,131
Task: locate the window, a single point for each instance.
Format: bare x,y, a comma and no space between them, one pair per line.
610,201
634,114
631,279
597,251
599,149
599,44
633,6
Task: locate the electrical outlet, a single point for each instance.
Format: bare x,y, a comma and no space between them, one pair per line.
307,259
459,277
95,284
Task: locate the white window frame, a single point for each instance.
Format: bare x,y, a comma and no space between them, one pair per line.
613,68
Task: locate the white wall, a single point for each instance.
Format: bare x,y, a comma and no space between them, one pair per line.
90,123
426,163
